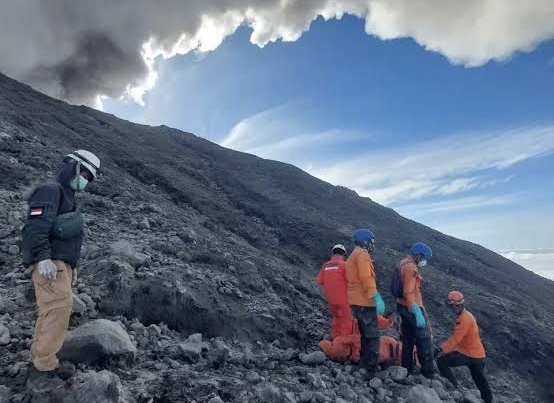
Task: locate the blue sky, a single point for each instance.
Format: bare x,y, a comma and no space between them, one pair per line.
468,151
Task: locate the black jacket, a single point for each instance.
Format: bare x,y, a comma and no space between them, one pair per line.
46,203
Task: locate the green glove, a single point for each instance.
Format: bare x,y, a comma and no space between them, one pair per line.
419,316
379,304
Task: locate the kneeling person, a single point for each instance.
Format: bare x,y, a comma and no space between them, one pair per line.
464,348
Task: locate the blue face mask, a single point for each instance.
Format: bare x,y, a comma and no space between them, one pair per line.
422,263
78,184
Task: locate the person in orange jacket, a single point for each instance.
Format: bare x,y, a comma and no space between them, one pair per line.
346,347
332,276
364,299
464,348
415,329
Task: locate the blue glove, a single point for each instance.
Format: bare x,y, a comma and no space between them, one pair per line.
419,316
379,304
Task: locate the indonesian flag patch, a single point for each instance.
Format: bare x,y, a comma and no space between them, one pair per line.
37,212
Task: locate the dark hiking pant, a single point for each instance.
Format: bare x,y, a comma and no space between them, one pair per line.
476,368
369,337
414,336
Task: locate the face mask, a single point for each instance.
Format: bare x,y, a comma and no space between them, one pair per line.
78,184
422,263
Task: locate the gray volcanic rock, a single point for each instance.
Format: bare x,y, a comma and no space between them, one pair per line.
96,341
422,394
95,387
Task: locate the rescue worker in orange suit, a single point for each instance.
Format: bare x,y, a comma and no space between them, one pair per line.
51,240
332,276
415,329
463,348
364,299
347,347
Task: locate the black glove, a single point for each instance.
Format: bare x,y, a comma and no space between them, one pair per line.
438,351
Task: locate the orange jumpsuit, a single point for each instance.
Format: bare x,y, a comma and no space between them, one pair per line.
332,276
348,347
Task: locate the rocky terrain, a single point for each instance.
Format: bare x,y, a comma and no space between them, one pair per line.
197,278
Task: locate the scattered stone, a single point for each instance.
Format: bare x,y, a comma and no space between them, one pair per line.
289,354
376,383
138,328
96,341
79,306
87,299
252,377
192,348
420,394
144,224
397,373
126,251
470,397
306,397
5,394
217,357
269,394
7,305
5,337
96,387
216,399
315,358
155,331
17,369
13,250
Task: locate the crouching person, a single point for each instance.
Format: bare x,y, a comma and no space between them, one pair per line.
464,348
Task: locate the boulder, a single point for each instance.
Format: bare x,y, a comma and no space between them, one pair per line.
315,358
5,336
96,341
423,394
125,251
95,387
192,348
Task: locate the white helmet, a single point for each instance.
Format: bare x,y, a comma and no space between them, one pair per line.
340,247
88,160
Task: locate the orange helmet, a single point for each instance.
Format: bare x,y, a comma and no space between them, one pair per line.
455,298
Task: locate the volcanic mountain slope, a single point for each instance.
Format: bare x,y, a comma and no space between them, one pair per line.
227,244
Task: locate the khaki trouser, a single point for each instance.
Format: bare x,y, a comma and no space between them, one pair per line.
54,301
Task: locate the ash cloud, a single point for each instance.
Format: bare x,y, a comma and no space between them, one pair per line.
79,50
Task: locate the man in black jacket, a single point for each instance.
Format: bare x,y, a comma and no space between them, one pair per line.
52,238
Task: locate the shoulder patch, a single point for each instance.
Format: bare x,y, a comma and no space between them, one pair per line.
36,212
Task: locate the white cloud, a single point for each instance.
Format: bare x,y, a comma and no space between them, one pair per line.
538,261
283,133
78,50
442,166
469,203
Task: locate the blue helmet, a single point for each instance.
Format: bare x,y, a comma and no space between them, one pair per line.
364,238
419,248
